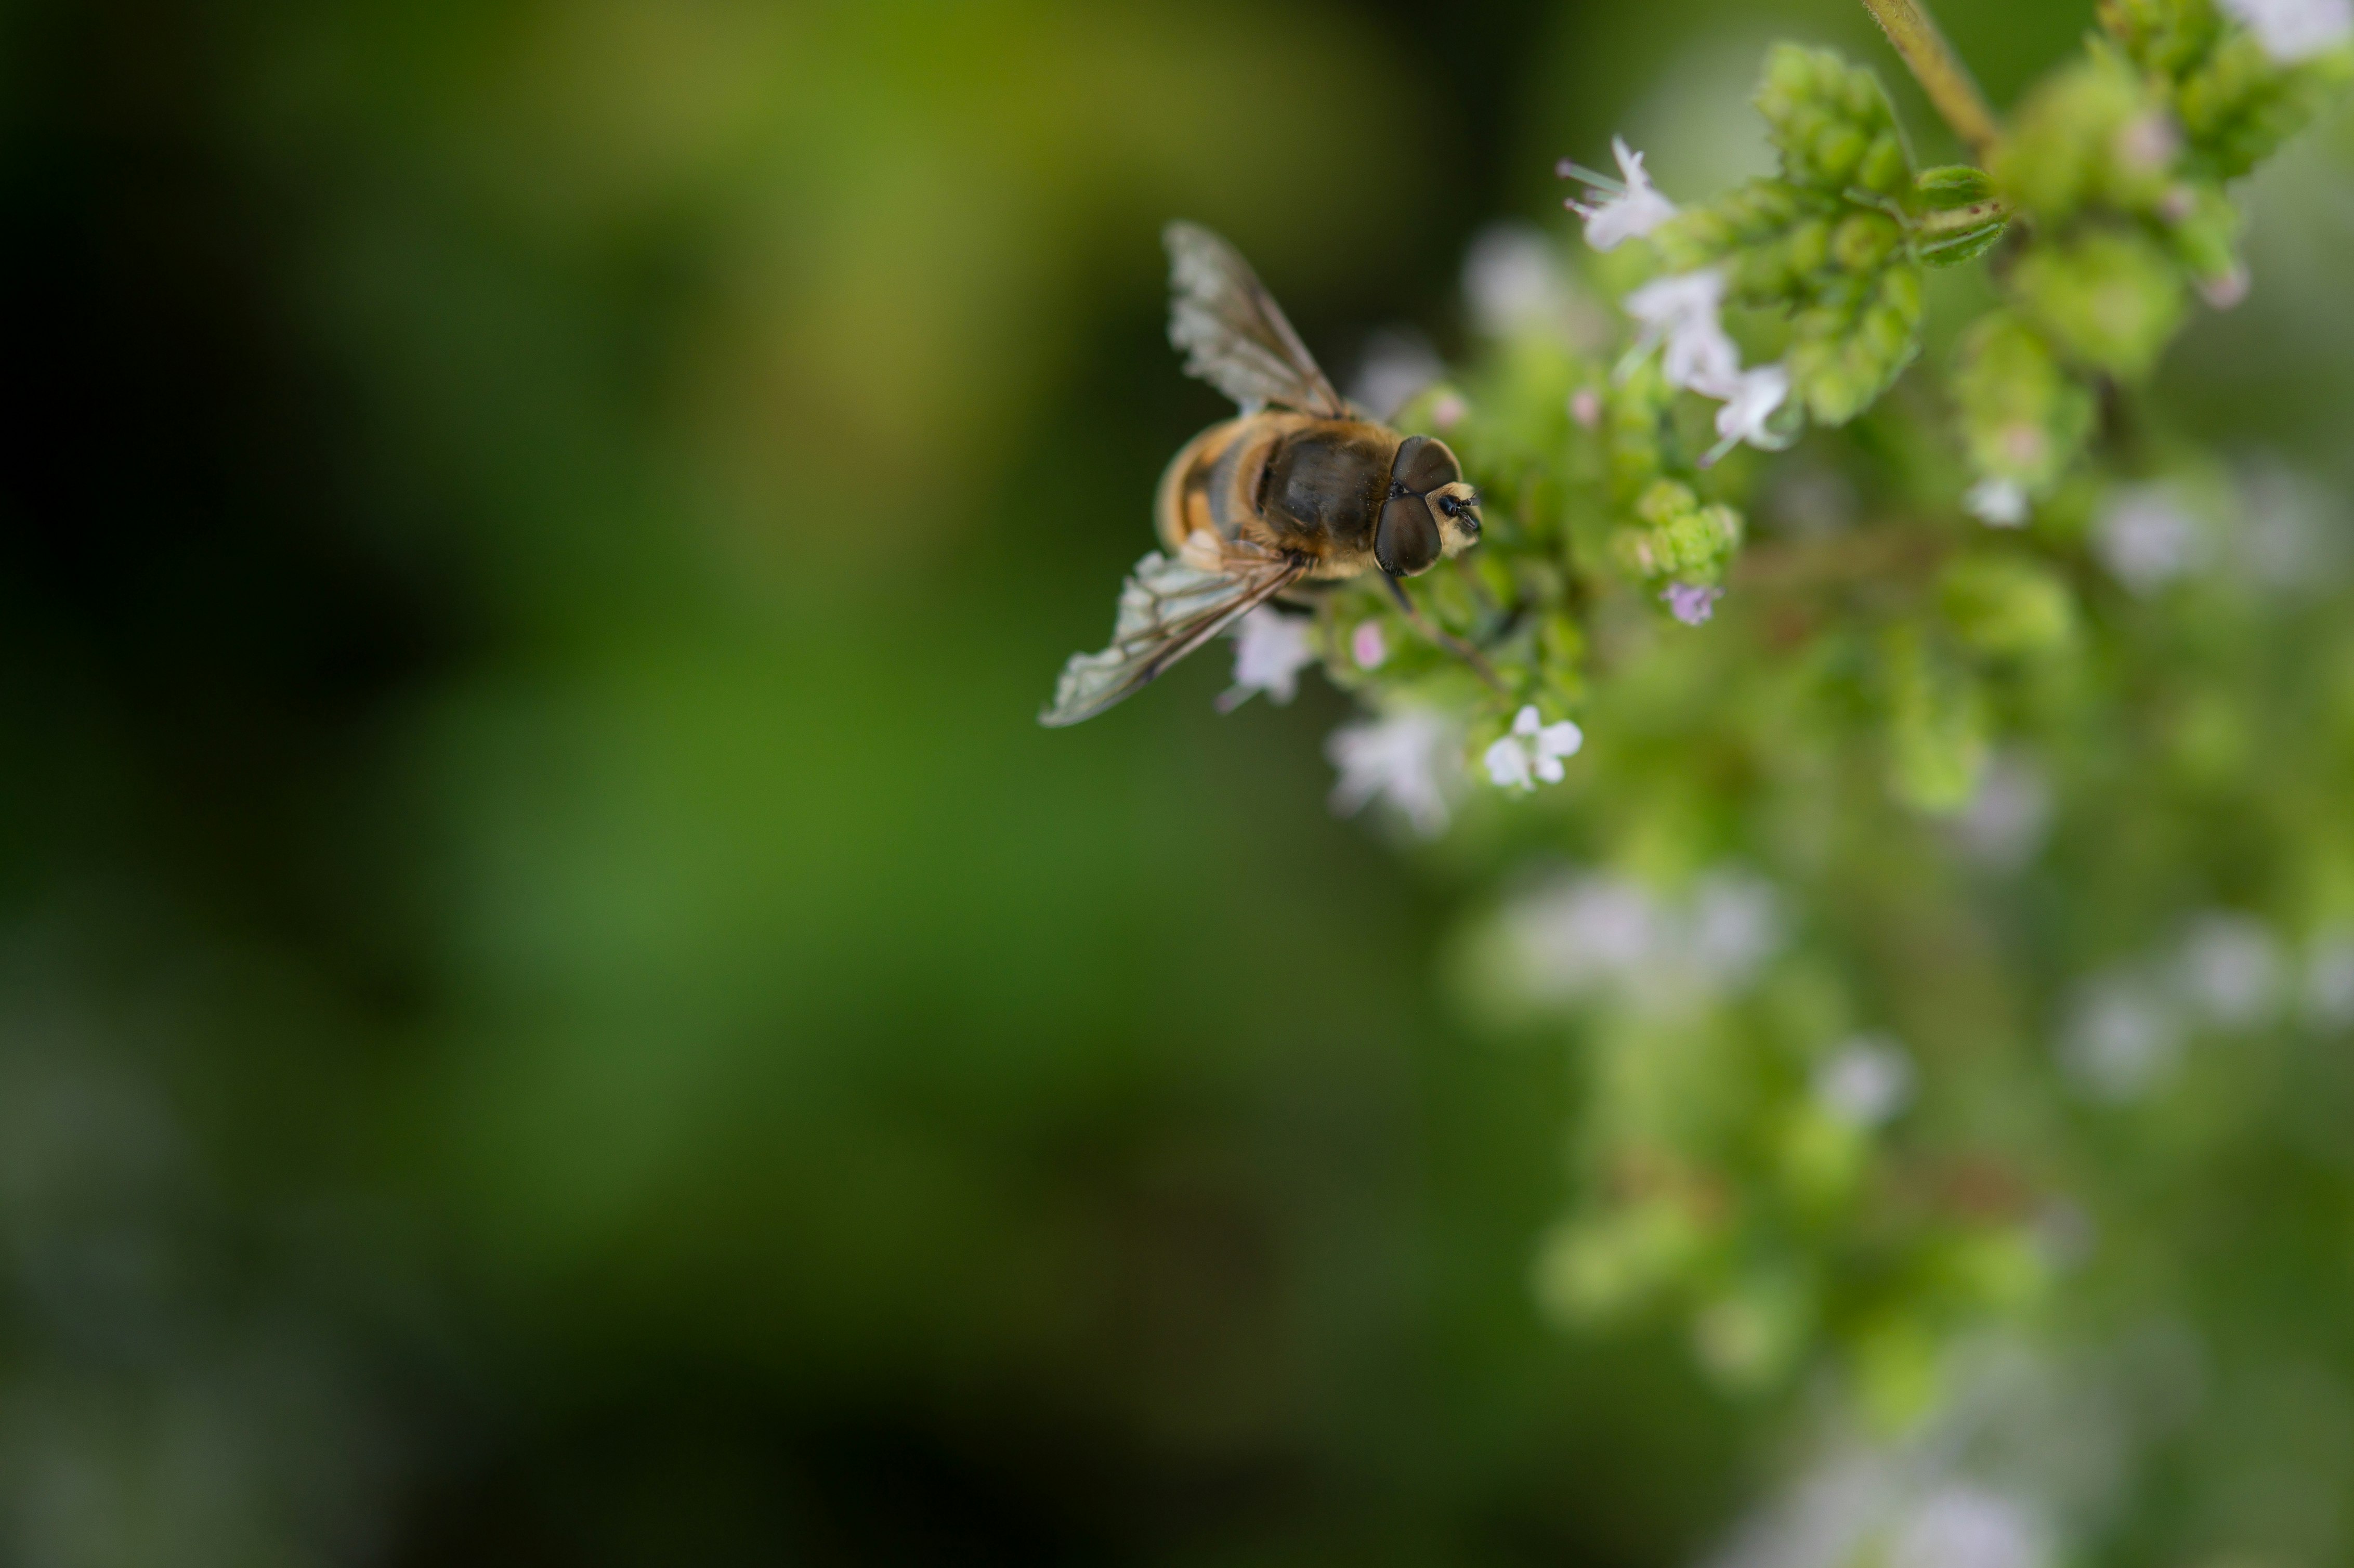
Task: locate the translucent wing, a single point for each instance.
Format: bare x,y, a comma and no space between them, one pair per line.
1232,333
1167,610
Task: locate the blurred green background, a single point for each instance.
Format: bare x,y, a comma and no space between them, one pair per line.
556,1007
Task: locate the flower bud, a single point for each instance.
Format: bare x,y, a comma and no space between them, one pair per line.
2025,417
1679,536
2109,300
1846,352
1831,124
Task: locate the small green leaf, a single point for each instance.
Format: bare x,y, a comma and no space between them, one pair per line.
1950,185
1963,244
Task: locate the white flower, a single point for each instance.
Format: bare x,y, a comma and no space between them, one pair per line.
1633,208
1368,646
1532,751
1398,363
1735,925
2329,981
1867,1081
1583,935
1999,502
2122,1034
1512,280
1409,756
1682,311
1271,649
1965,1526
2007,821
2232,970
2294,30
1751,399
2147,540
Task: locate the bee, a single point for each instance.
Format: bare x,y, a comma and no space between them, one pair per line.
1302,487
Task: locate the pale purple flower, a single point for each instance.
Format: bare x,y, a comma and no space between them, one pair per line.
1271,649
1533,751
1409,757
1585,408
2294,30
1368,646
1692,603
1998,502
1632,206
1682,312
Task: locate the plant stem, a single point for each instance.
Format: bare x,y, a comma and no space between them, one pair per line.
1939,70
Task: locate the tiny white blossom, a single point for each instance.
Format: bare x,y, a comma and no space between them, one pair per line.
2147,540
1734,926
1750,398
2122,1035
1397,362
2232,970
1682,311
1867,1081
1999,502
1532,751
2006,823
1586,935
1271,649
1408,758
1512,279
1633,209
2294,30
1368,646
2329,981
1965,1526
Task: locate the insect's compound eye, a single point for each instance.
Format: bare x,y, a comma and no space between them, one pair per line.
1406,540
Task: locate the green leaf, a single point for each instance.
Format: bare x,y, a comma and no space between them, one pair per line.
1950,185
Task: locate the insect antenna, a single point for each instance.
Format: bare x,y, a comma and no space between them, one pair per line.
1453,644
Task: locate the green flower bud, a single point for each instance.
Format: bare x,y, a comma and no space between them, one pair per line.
2167,37
1679,538
1846,351
2024,416
2094,135
2110,300
2203,231
1831,124
2007,606
2239,105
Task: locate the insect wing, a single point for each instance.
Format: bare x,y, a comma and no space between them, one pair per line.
1232,333
1167,610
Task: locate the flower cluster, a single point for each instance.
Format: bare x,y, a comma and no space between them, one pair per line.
2039,714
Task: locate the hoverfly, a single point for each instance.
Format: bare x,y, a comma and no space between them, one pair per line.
1302,486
